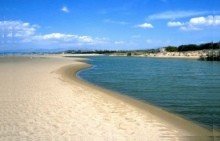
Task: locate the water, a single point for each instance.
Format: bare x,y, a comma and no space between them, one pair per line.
186,87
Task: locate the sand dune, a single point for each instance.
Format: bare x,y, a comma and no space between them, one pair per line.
40,99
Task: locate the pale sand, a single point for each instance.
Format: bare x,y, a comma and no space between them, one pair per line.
83,55
184,54
41,99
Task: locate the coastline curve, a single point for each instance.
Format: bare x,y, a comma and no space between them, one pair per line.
69,74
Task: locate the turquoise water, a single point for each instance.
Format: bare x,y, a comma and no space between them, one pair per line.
190,88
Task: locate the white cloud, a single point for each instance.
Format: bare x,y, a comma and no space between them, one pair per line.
65,9
145,25
199,23
69,38
197,20
176,14
190,28
56,36
207,21
23,32
86,39
17,29
175,24
119,42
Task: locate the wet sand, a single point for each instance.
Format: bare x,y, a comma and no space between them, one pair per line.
42,99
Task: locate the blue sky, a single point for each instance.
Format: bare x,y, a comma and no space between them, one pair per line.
106,24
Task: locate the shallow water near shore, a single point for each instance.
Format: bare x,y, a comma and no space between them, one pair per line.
189,88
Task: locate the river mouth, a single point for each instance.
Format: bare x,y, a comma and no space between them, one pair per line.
189,88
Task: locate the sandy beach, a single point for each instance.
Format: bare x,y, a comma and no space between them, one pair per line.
42,99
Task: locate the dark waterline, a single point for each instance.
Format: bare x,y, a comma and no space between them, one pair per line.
190,88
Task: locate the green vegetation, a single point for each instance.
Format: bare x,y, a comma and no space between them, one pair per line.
108,52
171,49
212,50
90,52
193,47
189,47
129,54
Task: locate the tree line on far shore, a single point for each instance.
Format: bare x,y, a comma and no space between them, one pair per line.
193,47
189,47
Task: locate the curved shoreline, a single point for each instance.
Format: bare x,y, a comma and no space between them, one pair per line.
41,97
69,74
